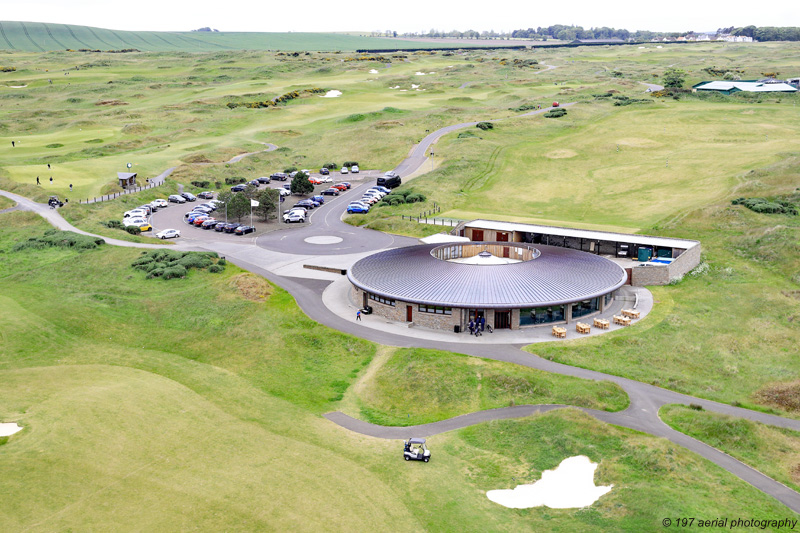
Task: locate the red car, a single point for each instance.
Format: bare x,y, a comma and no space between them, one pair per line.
341,186
199,220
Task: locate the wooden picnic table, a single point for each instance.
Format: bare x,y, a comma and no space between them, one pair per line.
630,313
580,327
560,333
601,323
622,320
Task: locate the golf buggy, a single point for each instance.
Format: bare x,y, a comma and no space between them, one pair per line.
415,449
54,202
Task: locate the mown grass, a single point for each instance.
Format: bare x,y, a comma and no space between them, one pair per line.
416,386
771,450
166,404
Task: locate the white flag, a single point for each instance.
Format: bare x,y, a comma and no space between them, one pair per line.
253,203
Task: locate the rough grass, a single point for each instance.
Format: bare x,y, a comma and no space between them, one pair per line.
416,386
771,450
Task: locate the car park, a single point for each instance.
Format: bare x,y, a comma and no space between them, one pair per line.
160,202
280,176
238,188
324,171
231,227
189,197
354,169
295,215
244,230
357,208
206,195
177,199
210,223
331,192
345,170
168,234
263,179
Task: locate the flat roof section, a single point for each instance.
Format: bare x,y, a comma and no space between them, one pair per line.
666,242
557,276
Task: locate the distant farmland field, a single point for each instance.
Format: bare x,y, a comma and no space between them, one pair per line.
43,37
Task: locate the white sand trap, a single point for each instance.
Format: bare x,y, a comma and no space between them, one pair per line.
395,87
414,86
659,47
570,485
420,73
431,73
403,90
332,94
17,86
641,48
9,429
373,71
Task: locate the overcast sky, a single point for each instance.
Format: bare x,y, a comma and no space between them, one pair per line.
402,15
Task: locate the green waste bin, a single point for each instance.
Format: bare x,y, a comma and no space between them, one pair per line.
645,254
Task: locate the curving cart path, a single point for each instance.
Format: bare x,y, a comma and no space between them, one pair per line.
645,400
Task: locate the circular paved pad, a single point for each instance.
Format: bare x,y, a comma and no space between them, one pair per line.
323,239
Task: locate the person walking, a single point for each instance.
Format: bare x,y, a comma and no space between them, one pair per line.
13,144
51,180
483,323
48,166
70,187
358,315
37,180
471,327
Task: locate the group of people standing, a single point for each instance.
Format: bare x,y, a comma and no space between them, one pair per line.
477,326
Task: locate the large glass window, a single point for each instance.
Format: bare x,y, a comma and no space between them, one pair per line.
435,309
585,307
532,316
381,299
608,297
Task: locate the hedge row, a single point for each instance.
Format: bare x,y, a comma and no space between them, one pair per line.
402,196
275,101
63,239
763,205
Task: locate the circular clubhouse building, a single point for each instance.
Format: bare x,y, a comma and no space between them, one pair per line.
510,285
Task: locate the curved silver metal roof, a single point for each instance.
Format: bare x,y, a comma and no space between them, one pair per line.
557,276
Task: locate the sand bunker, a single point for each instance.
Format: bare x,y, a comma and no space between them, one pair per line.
9,429
17,86
561,154
414,86
373,71
395,87
570,485
420,73
332,94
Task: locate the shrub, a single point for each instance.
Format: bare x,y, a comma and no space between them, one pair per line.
355,117
289,170
156,272
222,261
64,239
115,224
214,269
696,407
415,197
201,184
330,166
350,163
466,135
194,261
217,184
524,107
484,126
133,230
234,180
555,113
177,271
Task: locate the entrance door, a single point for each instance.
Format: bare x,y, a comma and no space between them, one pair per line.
409,314
502,236
502,319
505,251
474,314
477,235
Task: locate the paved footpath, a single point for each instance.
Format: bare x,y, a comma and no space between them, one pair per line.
645,399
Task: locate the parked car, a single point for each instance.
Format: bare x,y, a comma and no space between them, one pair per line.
340,186
220,227
391,174
254,183
326,179
238,188
134,221
294,215
331,192
201,209
370,199
177,199
390,182
168,234
305,203
189,197
135,213
209,205
319,199
345,170
194,216
324,171
357,208
346,184
280,176
161,202
231,227
287,186
263,179
315,181
376,191
148,208
210,223
244,230
382,189
284,192
206,195
199,220
145,227
354,169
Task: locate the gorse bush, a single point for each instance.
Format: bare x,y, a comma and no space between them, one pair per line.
170,264
63,239
133,230
764,205
114,224
201,184
484,126
555,113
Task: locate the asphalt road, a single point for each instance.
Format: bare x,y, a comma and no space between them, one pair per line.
645,400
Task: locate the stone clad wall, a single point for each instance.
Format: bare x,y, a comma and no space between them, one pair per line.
685,262
641,275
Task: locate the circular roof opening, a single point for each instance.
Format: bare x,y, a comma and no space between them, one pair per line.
485,253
